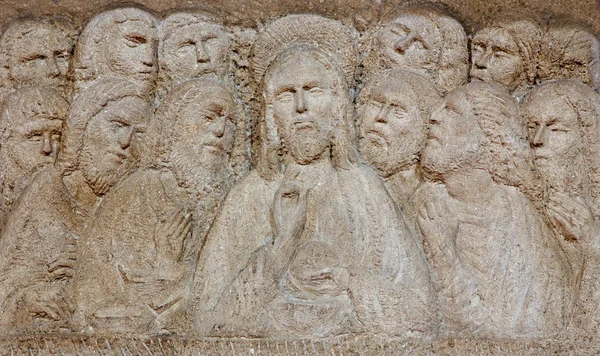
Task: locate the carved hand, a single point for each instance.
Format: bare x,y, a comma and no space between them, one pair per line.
170,235
288,213
63,265
439,226
571,216
48,301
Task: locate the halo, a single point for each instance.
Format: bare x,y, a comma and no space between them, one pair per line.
329,36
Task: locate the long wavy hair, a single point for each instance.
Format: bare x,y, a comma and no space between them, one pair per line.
343,151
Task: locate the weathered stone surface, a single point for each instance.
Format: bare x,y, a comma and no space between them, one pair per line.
331,177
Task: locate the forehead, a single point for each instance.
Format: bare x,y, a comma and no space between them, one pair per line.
196,29
46,37
551,105
496,35
137,26
214,100
394,92
412,22
299,69
130,108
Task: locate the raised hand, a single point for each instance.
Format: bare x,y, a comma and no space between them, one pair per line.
571,216
170,235
49,301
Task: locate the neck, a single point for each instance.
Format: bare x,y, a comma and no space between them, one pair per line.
317,172
80,190
469,185
403,183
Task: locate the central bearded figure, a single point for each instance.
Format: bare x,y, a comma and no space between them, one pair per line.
310,244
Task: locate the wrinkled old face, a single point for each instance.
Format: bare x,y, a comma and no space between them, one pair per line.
496,59
553,132
194,50
411,42
41,57
130,50
34,143
300,91
107,154
391,128
205,130
454,138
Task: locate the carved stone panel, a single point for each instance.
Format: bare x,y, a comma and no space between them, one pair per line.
280,178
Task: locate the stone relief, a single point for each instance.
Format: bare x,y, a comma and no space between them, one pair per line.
426,39
192,45
506,52
36,52
170,179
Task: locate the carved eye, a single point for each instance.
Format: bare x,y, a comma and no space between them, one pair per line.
187,43
35,136
134,40
286,96
315,90
63,56
35,58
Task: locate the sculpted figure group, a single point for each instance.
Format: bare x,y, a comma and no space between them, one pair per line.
449,189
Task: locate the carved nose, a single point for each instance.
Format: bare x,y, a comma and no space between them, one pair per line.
300,101
402,45
382,116
47,144
126,138
201,53
538,138
219,127
481,62
53,69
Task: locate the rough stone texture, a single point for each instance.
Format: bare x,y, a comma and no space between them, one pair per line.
321,177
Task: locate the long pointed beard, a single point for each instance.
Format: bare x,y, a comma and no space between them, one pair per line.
203,187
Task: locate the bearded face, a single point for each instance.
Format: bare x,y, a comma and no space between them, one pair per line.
106,155
300,93
391,130
454,140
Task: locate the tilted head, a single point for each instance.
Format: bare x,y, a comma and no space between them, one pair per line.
505,51
426,39
119,43
103,130
195,127
394,110
478,126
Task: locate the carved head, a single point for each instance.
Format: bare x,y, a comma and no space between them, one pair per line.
120,43
570,50
505,52
394,109
195,127
103,132
478,127
31,121
428,40
563,131
37,52
192,45
304,64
